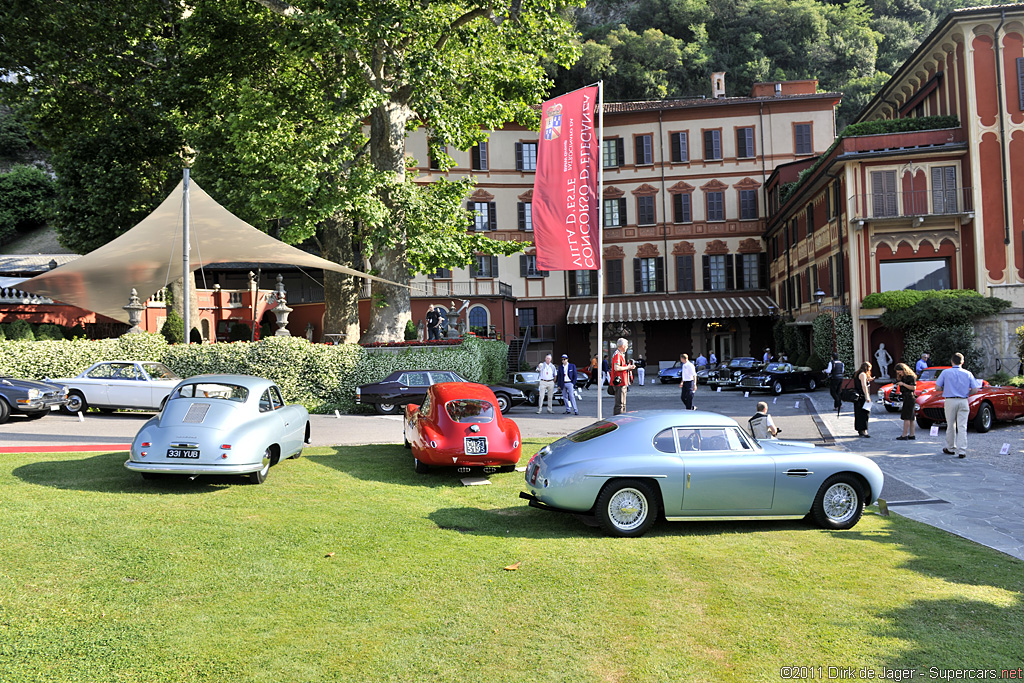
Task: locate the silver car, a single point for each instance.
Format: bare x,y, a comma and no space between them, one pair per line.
220,425
113,384
686,466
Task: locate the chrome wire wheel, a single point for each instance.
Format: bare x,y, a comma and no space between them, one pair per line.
628,509
840,503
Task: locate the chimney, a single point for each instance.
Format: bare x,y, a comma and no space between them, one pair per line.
778,89
718,84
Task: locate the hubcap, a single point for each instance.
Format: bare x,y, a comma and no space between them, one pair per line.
627,509
840,502
986,418
74,404
388,407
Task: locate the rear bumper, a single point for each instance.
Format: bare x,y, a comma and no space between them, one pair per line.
173,468
536,502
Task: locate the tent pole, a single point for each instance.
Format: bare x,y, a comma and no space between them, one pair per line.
186,267
600,247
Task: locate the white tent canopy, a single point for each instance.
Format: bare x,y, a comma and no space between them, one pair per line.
148,256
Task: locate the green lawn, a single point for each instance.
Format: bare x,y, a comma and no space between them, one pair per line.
104,577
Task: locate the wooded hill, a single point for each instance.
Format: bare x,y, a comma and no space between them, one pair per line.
656,49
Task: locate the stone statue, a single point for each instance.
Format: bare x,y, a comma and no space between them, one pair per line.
421,334
309,332
458,324
882,361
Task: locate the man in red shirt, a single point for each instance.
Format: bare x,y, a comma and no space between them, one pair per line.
620,374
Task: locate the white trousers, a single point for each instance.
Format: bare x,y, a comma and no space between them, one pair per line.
957,412
546,387
640,375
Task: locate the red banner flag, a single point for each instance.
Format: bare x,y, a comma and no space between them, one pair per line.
565,199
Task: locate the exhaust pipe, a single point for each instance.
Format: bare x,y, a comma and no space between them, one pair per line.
464,470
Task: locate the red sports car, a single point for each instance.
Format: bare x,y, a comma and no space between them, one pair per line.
987,405
892,400
459,425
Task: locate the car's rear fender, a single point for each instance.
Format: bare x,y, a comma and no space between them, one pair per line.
653,482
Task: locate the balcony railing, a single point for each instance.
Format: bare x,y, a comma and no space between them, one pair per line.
446,289
914,204
538,332
13,295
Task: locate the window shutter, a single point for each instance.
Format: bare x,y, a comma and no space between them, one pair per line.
1020,81
677,208
472,215
677,151
641,157
523,267
494,266
492,216
730,271
521,215
659,274
572,283
706,262
637,280
592,275
762,270
481,151
519,156
620,151
622,212
473,271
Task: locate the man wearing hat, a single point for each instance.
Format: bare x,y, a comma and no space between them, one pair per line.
567,383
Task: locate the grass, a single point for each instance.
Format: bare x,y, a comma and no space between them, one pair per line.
104,577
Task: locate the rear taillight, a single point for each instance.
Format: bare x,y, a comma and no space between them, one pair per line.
225,447
145,444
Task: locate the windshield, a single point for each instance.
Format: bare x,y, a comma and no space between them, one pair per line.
470,410
778,367
593,431
159,371
742,363
229,392
531,377
930,374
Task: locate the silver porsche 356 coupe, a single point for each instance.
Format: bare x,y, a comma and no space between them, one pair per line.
221,425
630,469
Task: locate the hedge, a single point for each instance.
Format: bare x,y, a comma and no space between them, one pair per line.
897,300
323,378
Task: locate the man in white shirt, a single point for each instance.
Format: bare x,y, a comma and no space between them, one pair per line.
547,372
761,425
687,381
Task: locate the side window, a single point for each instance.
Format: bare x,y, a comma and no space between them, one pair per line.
265,402
665,441
425,406
689,439
416,379
104,371
737,440
438,377
275,398
713,440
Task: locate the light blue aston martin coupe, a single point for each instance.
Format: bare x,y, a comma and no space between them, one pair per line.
630,469
221,425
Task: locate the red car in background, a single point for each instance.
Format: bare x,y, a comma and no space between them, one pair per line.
988,405
459,425
892,400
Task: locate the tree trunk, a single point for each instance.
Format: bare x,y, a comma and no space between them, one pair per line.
341,293
193,309
390,306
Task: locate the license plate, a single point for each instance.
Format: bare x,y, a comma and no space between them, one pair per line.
182,453
476,445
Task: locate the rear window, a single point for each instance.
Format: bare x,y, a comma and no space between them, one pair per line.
470,410
228,392
593,431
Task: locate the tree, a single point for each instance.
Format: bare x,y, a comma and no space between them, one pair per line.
458,67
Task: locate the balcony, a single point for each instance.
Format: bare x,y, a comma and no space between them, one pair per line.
538,332
13,295
455,290
918,204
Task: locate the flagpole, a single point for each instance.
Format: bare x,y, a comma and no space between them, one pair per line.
600,248
186,267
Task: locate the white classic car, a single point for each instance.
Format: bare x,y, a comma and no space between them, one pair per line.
113,384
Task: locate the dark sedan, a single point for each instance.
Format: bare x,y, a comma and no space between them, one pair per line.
779,377
29,398
730,375
410,386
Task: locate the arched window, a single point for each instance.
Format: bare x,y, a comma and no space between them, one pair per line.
478,320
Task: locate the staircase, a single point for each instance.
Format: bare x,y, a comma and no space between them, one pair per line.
517,351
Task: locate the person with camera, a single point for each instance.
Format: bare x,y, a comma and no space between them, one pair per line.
761,425
621,373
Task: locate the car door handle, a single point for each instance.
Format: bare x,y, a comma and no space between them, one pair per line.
798,472
687,480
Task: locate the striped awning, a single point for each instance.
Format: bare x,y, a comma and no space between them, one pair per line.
689,308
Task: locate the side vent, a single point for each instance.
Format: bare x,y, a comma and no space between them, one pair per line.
196,413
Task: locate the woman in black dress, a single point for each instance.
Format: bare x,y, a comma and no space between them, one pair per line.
861,382
906,381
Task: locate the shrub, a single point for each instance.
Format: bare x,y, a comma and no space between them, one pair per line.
945,341
321,377
814,362
945,311
1000,379
410,331
25,196
1017,381
174,328
897,300
239,332
20,330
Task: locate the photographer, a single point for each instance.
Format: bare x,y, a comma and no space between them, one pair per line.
761,425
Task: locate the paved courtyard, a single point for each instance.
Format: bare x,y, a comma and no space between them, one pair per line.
977,498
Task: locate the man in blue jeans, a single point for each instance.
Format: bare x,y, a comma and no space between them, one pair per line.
567,383
956,384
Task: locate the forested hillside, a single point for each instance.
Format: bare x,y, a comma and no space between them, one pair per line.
653,49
